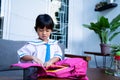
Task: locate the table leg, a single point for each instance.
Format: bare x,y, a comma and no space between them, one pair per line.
104,61
96,61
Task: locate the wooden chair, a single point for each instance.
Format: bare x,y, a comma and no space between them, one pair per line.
87,58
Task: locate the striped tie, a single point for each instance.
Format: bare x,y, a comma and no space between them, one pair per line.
47,58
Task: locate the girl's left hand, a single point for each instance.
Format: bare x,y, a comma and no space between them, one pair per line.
47,64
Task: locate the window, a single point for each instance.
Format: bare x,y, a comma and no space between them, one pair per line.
61,28
1,22
1,27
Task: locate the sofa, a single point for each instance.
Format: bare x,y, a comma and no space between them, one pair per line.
8,56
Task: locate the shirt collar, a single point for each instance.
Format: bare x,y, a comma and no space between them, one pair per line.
40,42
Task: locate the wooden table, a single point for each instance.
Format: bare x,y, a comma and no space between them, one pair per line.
93,74
99,74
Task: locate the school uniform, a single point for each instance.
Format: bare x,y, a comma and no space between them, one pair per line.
37,48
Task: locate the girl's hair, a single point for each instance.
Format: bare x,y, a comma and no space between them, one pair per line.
44,20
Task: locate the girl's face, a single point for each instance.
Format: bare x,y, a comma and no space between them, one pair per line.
44,33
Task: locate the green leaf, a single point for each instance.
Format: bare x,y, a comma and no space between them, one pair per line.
114,35
106,30
115,26
104,23
85,25
116,19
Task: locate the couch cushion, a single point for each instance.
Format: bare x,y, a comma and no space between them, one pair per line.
62,46
8,51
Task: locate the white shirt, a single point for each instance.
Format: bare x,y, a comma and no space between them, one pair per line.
37,48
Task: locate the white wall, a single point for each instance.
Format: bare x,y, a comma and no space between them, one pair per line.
80,11
20,17
75,34
82,39
90,40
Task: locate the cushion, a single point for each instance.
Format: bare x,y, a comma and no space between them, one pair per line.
62,46
8,51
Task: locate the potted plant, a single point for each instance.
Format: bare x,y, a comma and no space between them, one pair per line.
106,30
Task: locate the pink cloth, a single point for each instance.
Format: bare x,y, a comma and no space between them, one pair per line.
67,68
26,65
78,64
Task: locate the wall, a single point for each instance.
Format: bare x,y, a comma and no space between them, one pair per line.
91,40
20,17
79,38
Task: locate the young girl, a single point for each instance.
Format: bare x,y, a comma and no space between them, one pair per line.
38,51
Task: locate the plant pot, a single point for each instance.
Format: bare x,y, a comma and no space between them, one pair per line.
105,48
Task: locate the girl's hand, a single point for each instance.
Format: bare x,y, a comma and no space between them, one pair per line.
47,64
38,61
51,62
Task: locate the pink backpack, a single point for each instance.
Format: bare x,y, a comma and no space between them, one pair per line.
74,68
78,65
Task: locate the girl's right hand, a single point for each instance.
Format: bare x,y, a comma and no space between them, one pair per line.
38,61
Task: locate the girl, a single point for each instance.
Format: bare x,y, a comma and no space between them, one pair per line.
43,50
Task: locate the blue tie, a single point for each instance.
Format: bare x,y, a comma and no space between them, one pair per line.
47,57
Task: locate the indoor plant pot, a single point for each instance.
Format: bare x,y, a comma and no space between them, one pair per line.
106,30
105,48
